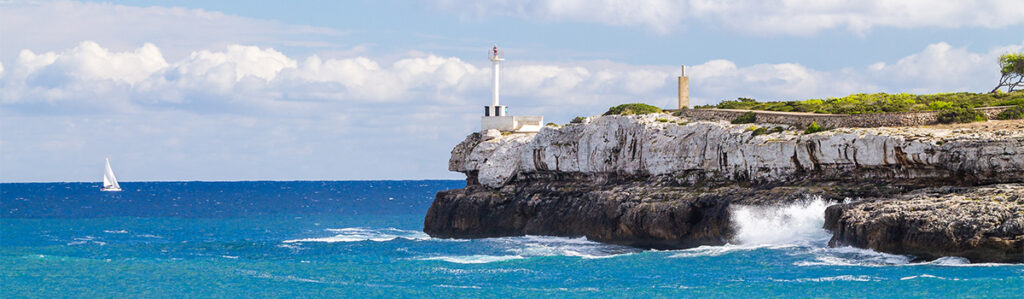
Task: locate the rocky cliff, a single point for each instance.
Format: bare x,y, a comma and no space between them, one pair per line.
663,182
980,223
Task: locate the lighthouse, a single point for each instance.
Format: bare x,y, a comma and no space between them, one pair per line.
495,109
496,115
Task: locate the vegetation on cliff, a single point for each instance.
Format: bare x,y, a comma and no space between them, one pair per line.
1012,113
745,118
880,102
962,113
813,128
633,109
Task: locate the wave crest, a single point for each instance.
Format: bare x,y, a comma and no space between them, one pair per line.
358,234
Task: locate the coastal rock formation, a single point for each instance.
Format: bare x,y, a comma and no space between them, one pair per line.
659,181
982,224
708,151
629,214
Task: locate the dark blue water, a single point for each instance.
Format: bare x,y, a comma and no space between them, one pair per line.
364,238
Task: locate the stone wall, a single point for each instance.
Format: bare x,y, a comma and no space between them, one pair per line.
799,119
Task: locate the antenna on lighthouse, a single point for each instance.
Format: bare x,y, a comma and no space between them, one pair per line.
496,109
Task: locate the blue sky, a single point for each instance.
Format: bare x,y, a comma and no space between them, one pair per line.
270,90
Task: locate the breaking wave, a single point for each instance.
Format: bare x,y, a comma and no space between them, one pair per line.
357,234
474,259
851,256
514,248
861,278
799,223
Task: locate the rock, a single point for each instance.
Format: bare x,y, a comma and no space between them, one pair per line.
641,146
491,134
630,211
638,181
982,224
634,215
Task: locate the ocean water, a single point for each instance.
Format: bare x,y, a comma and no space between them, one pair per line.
364,238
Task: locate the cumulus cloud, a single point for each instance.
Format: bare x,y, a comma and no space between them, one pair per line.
250,75
796,17
241,105
57,25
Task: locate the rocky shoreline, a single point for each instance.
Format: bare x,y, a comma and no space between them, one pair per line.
657,181
978,223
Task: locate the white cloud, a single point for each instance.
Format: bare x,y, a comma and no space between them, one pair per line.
54,26
246,105
263,76
252,74
797,17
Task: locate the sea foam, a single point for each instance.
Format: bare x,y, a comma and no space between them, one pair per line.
358,234
474,259
799,223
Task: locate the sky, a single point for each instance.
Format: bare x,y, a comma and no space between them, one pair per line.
361,90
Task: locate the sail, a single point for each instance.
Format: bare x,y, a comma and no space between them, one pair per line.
109,181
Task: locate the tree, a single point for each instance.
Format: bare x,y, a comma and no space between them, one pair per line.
1011,65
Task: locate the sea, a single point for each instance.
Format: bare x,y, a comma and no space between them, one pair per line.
354,239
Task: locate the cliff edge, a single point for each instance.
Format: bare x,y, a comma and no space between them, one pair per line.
659,181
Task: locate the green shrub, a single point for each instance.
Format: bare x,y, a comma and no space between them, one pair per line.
759,131
962,113
813,128
577,120
1017,112
777,130
745,118
1011,102
551,125
662,120
633,109
879,102
939,105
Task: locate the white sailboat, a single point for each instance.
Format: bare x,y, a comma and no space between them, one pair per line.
109,181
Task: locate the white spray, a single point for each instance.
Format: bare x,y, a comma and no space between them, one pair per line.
799,223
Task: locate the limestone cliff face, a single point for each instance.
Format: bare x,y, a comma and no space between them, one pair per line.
658,181
691,152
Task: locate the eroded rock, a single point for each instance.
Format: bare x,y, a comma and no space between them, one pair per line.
648,182
982,224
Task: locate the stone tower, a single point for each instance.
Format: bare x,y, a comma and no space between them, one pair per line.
684,90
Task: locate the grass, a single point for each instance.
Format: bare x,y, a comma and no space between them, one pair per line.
880,103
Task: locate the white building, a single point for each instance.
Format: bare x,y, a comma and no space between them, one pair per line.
496,115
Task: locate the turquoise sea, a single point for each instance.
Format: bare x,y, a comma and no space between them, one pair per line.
364,239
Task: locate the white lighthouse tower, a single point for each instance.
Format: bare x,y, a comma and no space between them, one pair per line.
495,109
496,115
